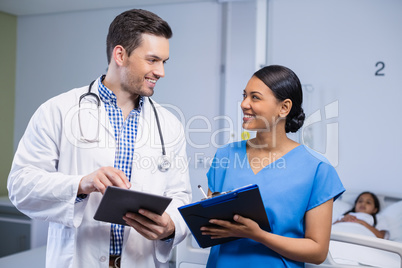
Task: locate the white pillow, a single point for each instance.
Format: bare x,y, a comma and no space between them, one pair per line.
339,208
393,215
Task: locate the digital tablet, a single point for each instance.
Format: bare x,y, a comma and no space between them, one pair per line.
116,202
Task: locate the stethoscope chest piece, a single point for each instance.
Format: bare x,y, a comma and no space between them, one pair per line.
164,163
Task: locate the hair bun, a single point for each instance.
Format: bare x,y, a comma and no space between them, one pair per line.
295,123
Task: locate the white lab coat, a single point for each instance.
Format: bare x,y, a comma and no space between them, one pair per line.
51,160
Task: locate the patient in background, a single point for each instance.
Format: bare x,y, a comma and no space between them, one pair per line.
364,212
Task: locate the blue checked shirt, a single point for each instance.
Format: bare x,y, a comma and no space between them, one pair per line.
125,133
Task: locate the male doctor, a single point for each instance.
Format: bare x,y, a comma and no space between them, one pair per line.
73,150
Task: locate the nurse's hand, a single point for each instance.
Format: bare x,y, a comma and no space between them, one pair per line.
241,227
100,179
150,225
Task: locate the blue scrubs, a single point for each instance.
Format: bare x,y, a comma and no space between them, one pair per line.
299,181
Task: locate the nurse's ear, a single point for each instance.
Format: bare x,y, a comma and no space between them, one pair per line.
119,55
285,108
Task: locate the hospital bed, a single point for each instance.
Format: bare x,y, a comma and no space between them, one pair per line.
352,250
347,249
352,245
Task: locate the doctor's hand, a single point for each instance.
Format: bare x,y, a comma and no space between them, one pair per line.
151,225
241,227
100,179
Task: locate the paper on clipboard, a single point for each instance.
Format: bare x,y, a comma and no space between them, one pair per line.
245,201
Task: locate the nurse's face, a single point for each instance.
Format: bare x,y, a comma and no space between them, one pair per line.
142,69
260,107
366,204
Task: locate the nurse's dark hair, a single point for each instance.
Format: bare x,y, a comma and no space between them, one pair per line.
127,29
285,84
376,205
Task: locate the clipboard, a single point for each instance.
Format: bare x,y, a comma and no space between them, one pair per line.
116,202
245,201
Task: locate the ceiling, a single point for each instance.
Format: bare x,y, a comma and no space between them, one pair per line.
36,7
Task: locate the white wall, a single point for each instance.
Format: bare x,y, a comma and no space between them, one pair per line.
334,46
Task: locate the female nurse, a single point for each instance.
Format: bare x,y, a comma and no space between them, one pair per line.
297,185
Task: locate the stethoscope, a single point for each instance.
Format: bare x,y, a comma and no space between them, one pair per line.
163,161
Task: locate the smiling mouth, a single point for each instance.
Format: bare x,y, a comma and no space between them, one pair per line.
153,81
248,117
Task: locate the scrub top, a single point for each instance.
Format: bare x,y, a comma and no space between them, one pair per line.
295,183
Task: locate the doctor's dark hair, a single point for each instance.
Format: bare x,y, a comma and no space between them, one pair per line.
127,29
285,84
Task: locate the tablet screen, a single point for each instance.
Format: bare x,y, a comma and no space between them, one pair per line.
116,202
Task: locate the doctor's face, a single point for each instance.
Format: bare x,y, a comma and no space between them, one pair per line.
142,69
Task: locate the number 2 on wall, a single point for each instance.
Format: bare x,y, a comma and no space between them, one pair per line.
381,66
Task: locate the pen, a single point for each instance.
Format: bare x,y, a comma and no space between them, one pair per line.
202,191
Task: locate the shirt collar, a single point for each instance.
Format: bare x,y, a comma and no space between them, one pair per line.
107,96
